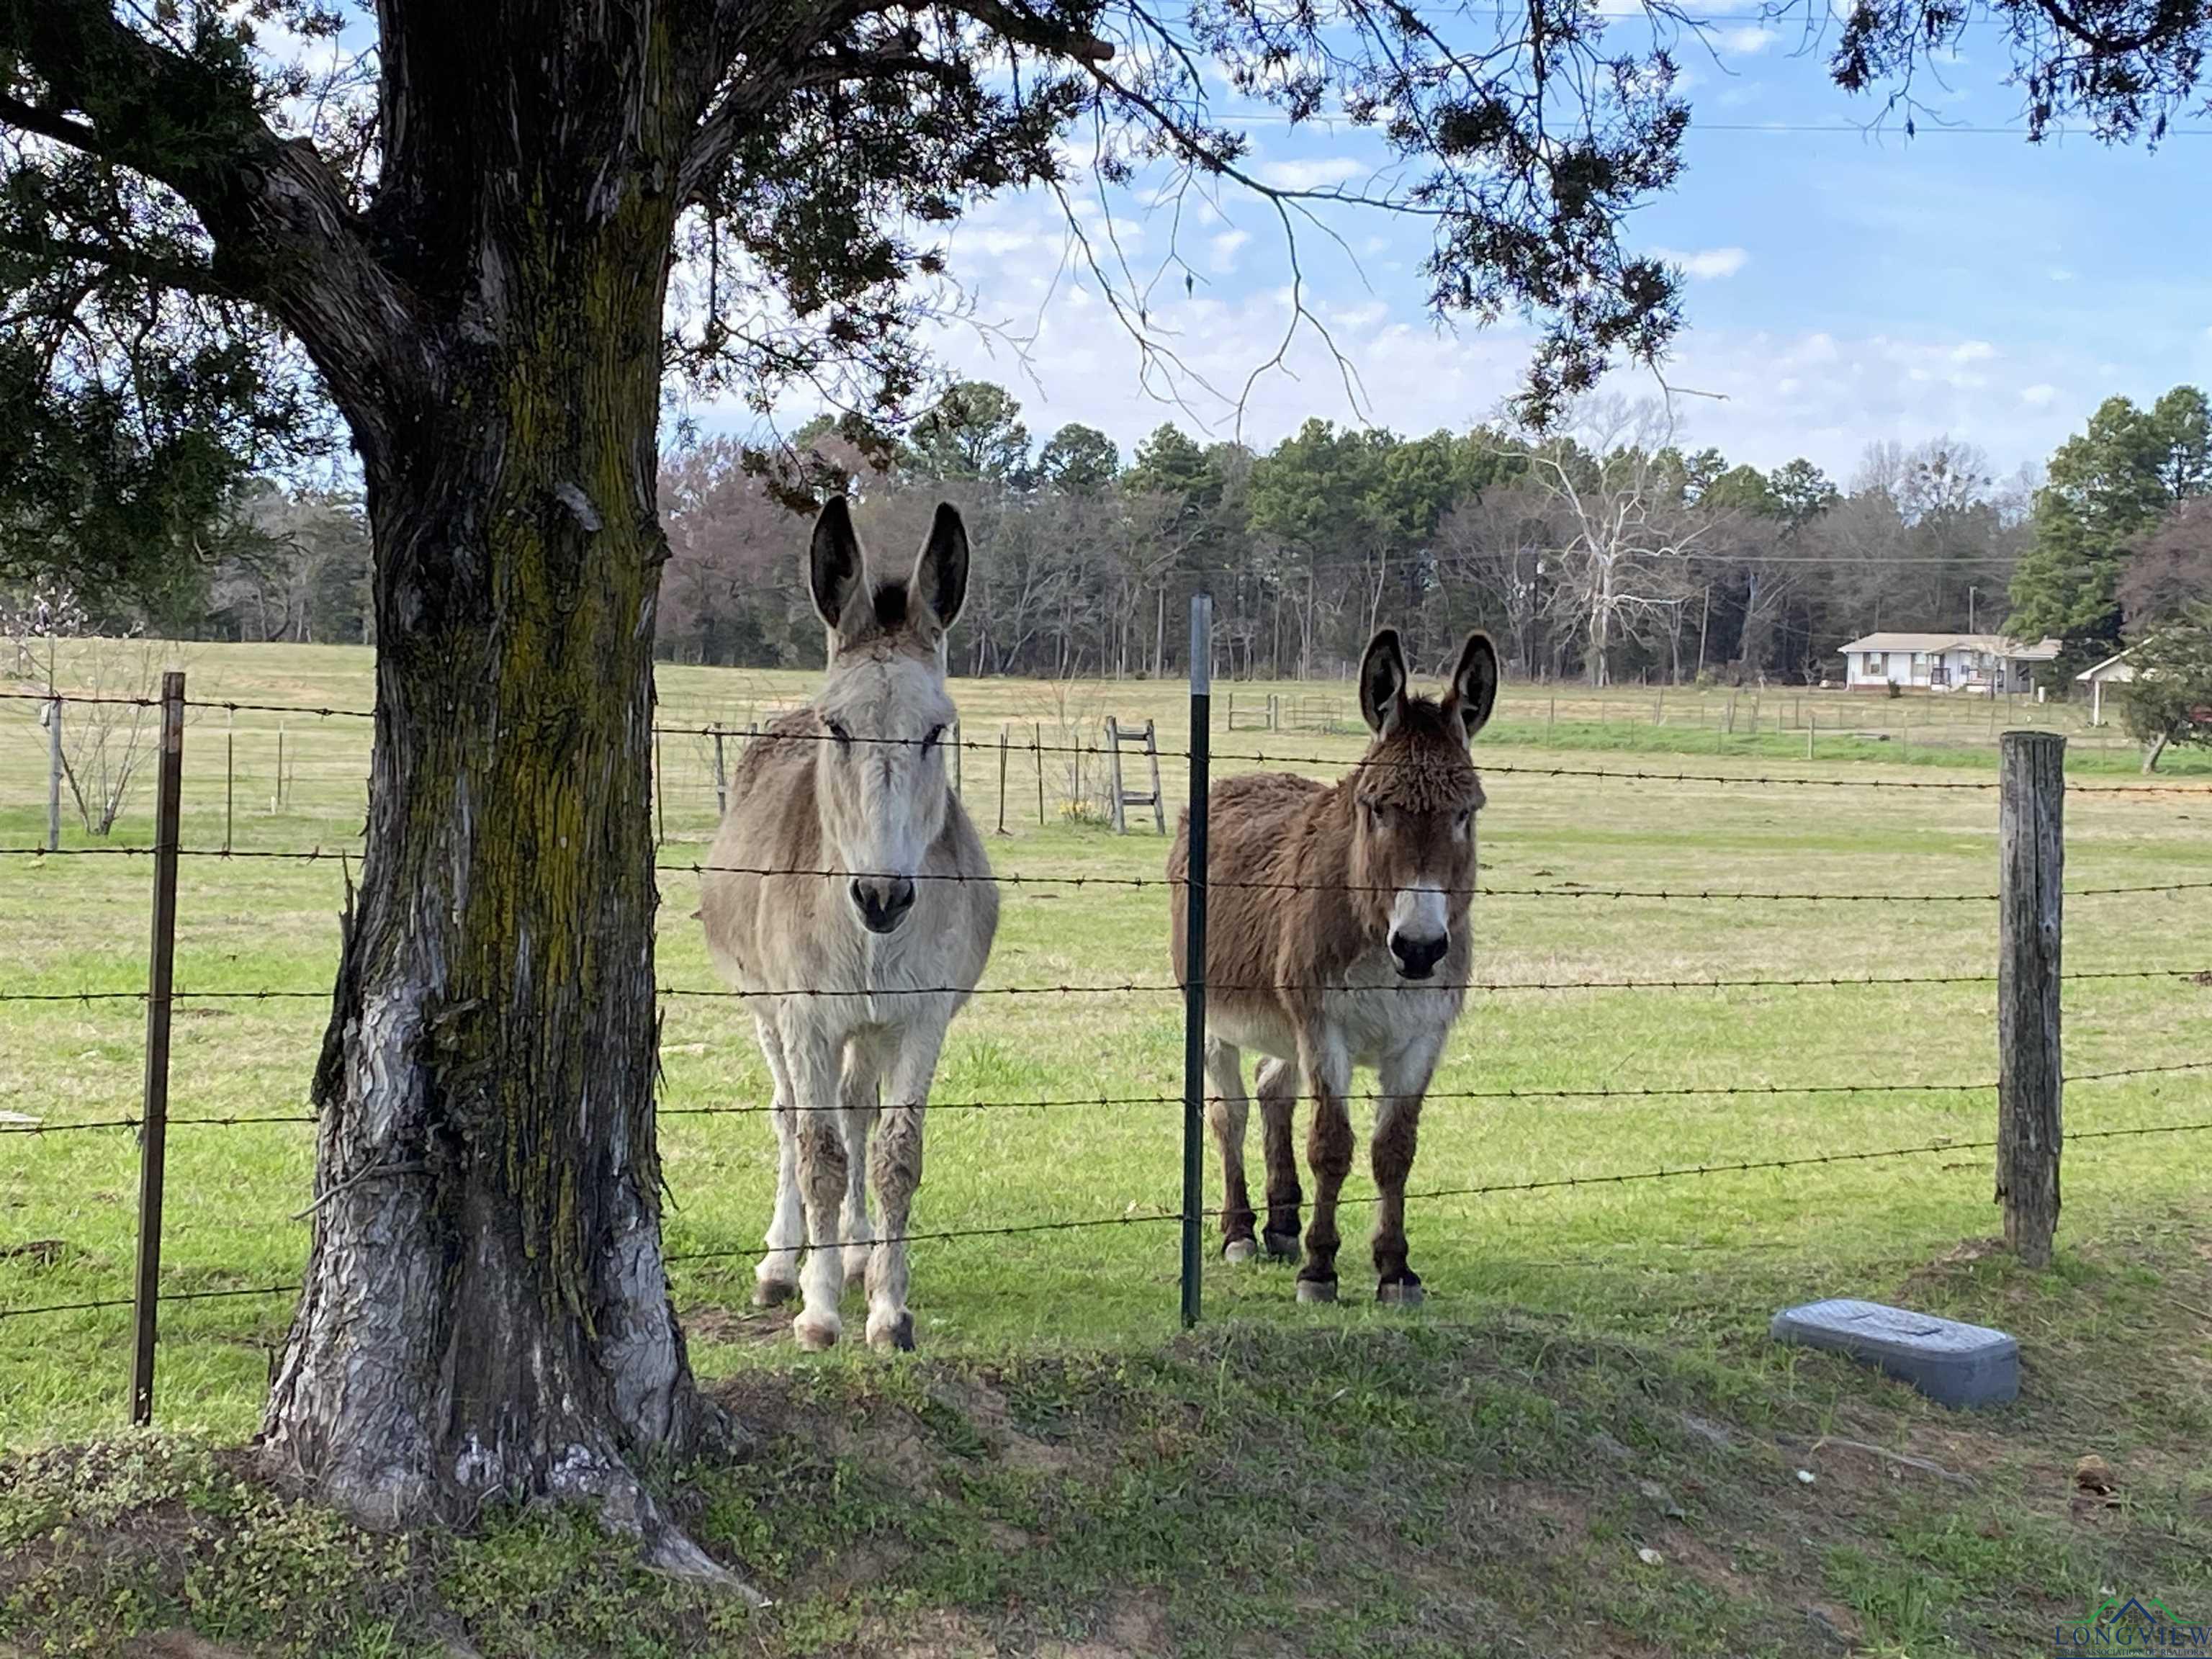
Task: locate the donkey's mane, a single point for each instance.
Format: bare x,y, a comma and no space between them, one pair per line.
1422,766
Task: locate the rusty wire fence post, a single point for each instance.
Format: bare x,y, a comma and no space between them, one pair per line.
53,711
1194,994
153,1130
2031,1070
660,784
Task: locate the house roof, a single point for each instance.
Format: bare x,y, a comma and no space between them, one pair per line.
2114,667
1995,644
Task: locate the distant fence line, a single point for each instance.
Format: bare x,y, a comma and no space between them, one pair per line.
1257,757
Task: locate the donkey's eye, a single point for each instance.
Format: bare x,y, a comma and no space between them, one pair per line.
844,737
930,742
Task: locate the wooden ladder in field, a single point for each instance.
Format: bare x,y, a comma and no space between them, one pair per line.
1148,740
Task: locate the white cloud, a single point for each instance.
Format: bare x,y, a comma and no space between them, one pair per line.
1359,319
1706,264
1747,40
999,243
1317,173
1776,393
2060,274
1764,397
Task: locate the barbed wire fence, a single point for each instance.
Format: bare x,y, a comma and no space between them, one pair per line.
2030,790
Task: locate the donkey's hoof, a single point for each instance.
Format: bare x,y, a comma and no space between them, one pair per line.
894,1334
1239,1249
1404,1292
773,1292
815,1334
1282,1247
1317,1290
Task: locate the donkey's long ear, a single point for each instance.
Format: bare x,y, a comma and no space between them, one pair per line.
941,575
1473,692
833,562
1383,682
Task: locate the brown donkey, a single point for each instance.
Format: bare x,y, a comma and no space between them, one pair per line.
1336,936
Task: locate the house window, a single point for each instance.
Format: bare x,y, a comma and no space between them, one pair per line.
1875,663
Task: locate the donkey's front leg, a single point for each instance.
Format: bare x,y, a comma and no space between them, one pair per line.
776,1277
864,1061
811,1055
1328,1152
895,1167
1278,1086
1226,1113
1405,1079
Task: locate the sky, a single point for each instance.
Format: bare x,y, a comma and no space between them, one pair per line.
1843,287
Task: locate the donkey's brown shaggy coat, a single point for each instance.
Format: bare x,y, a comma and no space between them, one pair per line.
1336,936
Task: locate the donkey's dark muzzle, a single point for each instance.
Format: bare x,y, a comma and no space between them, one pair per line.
1418,957
883,904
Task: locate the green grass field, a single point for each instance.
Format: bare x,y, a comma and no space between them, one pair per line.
1672,1278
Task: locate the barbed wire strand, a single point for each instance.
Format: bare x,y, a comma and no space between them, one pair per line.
1039,878
1674,1172
1814,981
1633,1091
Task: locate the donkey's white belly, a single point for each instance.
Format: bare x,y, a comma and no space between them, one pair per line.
917,974
1378,1014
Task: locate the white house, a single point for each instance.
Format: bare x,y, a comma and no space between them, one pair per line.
2113,670
1985,663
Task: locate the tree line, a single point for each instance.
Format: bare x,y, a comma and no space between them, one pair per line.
1608,552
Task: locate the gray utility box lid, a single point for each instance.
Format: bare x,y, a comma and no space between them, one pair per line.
1958,1365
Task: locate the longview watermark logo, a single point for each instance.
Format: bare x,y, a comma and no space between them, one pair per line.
2133,1625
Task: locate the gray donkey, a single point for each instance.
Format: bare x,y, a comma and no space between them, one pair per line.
862,956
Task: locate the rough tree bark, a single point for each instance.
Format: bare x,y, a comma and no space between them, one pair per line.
486,1313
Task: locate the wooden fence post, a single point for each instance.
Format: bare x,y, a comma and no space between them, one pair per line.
154,1130
2031,867
721,778
1037,751
1002,777
1114,767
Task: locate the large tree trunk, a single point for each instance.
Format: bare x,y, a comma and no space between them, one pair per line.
486,1314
